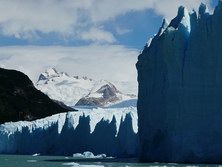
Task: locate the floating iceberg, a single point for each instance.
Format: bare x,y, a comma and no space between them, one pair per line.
88,154
36,154
73,164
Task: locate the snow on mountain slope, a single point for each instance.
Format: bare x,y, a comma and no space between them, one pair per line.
109,131
61,87
69,90
124,104
104,94
127,87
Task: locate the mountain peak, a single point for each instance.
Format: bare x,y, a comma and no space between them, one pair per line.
70,89
51,73
108,88
102,95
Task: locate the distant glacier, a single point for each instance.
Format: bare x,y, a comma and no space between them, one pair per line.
102,131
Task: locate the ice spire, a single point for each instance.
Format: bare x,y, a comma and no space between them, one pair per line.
203,10
165,24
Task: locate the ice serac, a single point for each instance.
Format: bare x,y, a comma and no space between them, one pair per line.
102,131
180,90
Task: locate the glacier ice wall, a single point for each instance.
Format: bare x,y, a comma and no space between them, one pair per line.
180,90
109,131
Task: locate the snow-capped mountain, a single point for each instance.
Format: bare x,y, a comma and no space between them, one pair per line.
79,90
104,94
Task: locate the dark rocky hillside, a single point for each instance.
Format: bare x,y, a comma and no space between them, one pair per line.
20,100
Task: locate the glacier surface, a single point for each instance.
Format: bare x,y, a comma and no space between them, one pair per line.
180,90
102,131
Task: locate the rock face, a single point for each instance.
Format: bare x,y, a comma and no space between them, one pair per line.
105,95
180,90
20,100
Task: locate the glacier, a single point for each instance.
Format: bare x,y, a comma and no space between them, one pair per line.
101,131
180,90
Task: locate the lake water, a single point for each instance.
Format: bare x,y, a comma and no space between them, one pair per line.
56,161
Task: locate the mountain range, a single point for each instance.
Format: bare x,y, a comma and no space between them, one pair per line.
80,91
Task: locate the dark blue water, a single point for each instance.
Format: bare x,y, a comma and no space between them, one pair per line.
57,161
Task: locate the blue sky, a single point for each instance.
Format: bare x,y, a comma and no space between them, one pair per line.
100,39
132,27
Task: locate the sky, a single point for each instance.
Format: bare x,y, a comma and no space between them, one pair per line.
100,39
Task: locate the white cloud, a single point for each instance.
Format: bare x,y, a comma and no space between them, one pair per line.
28,16
122,31
168,8
98,35
71,18
111,62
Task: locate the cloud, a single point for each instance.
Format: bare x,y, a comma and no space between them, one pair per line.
110,62
20,17
72,18
98,35
168,8
122,31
